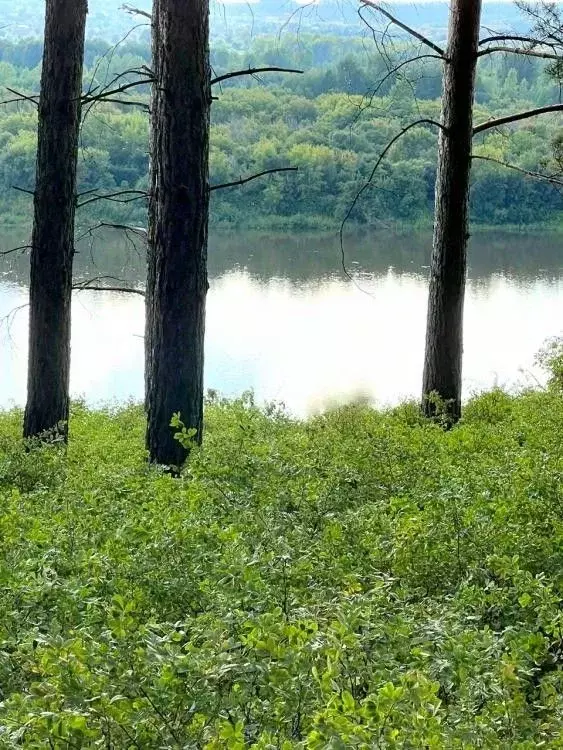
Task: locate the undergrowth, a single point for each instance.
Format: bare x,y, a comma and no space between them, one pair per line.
359,580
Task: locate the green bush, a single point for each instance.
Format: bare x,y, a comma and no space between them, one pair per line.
362,579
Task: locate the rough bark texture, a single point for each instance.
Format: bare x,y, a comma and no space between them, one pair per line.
178,218
53,221
444,333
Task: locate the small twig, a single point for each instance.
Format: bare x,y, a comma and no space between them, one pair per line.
21,97
404,27
372,94
136,11
423,121
140,231
23,190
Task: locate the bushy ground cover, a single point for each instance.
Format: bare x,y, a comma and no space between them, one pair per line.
363,579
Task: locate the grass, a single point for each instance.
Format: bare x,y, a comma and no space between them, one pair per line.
359,580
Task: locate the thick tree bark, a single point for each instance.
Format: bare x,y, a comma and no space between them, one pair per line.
53,223
178,217
444,333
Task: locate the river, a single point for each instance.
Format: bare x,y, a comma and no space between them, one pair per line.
284,321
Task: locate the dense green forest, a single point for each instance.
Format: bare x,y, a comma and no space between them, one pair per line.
331,122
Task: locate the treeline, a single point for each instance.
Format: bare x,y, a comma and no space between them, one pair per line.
331,122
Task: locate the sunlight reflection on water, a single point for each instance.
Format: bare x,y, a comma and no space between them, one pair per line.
307,344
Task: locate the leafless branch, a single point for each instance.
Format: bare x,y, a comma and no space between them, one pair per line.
547,16
365,186
125,289
244,180
404,27
136,11
108,57
104,94
9,318
15,250
23,190
515,38
520,51
143,70
20,97
139,231
370,95
551,179
115,197
95,286
516,117
252,72
298,11
127,103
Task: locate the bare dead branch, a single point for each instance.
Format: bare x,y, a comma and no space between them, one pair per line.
15,250
124,289
23,190
104,94
136,11
139,231
547,17
32,98
298,11
143,70
370,95
244,180
516,117
252,72
94,285
108,57
520,51
551,179
515,38
404,27
115,197
365,186
127,103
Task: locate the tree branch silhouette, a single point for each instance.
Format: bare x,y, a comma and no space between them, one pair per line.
244,180
516,117
252,72
412,32
551,179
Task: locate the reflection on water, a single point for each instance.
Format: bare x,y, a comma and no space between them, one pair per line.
306,339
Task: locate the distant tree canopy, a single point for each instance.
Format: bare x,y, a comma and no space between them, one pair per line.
328,122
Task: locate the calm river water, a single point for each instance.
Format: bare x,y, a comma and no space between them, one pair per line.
285,321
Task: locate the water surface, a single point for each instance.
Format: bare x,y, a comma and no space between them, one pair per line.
284,320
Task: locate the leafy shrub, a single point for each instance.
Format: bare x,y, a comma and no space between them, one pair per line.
362,579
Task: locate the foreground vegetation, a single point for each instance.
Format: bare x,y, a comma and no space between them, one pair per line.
363,579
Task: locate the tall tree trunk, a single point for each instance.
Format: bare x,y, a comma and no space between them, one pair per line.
444,333
53,222
178,218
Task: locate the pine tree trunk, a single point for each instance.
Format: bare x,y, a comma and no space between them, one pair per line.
178,218
53,222
444,333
